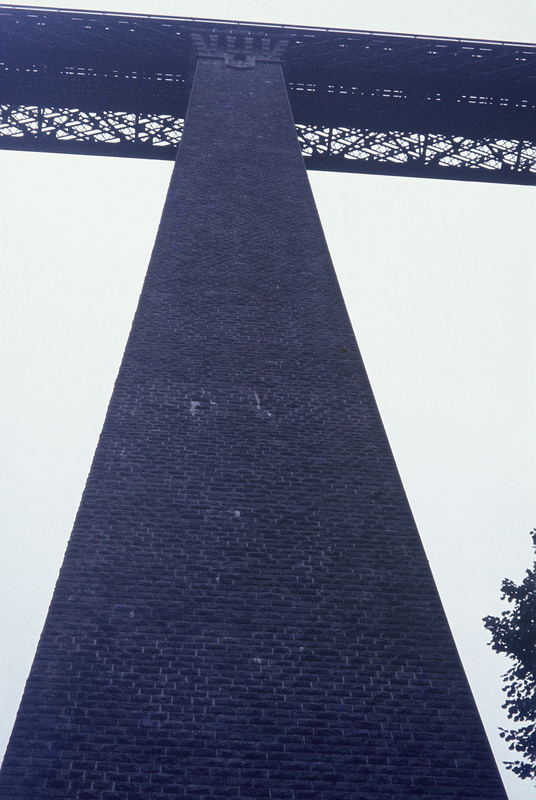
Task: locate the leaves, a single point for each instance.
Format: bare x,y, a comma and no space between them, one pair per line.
513,633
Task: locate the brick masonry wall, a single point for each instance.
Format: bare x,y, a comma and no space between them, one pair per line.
245,609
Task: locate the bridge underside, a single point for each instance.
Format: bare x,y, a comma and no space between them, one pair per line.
112,84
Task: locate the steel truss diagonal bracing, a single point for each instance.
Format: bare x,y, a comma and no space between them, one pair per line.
325,148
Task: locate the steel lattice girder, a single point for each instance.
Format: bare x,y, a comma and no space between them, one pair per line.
91,82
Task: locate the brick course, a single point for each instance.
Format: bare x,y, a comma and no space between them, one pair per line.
245,609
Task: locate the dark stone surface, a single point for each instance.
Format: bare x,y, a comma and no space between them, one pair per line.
245,609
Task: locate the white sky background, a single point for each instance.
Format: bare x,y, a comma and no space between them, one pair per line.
439,280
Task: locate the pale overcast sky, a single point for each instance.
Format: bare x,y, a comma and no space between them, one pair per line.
439,281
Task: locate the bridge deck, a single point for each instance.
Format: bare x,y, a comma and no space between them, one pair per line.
115,84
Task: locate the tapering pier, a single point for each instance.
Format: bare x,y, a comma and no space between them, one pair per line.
245,609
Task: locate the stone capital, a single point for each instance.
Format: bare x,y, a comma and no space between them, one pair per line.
240,50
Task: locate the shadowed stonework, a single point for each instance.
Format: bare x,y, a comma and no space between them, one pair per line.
245,609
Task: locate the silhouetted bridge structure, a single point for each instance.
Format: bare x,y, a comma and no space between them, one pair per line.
395,104
245,609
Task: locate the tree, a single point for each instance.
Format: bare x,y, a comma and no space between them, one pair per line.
514,634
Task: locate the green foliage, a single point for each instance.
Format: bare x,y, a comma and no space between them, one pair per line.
514,634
